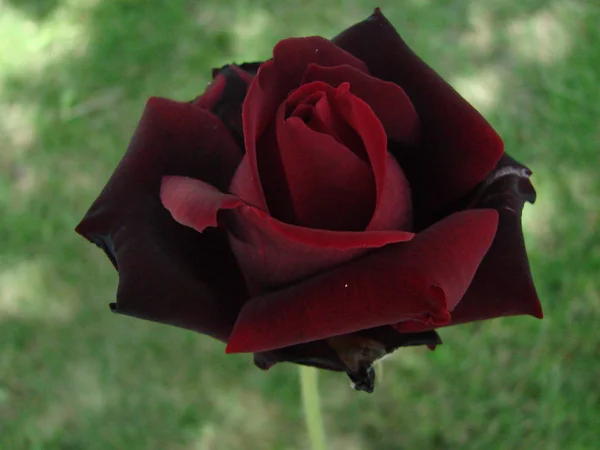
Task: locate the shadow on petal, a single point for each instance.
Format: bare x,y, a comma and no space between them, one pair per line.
169,273
391,285
503,285
459,148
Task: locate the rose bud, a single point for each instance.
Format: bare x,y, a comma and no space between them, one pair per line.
325,207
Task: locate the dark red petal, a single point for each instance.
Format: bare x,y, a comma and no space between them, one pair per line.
245,69
394,201
387,100
419,280
169,273
224,98
262,181
459,147
212,94
270,253
503,285
175,138
194,203
323,118
277,166
308,94
329,186
277,77
245,75
246,185
393,209
273,82
305,112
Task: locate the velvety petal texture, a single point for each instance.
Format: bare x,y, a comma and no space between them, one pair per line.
417,282
270,253
459,148
169,273
324,207
388,100
225,95
275,79
316,162
503,285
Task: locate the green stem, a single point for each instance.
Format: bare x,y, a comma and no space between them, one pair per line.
312,407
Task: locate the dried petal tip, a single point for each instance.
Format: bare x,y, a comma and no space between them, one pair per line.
363,380
261,362
358,355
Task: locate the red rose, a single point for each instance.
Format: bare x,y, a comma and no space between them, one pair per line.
324,207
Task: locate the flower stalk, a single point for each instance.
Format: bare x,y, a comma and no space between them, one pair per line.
312,407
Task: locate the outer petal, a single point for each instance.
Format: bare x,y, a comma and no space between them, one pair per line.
459,147
271,253
323,355
420,280
169,273
248,68
194,203
275,79
212,93
503,285
224,98
352,353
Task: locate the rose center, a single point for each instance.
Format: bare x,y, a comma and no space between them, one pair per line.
322,177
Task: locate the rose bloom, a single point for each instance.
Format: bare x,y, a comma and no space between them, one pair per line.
324,207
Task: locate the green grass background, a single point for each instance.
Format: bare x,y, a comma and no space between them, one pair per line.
74,77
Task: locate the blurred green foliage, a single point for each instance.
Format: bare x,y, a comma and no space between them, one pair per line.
74,77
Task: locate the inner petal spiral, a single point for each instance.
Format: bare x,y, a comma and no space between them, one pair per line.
329,179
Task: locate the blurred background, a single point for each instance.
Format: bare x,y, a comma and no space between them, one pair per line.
74,77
